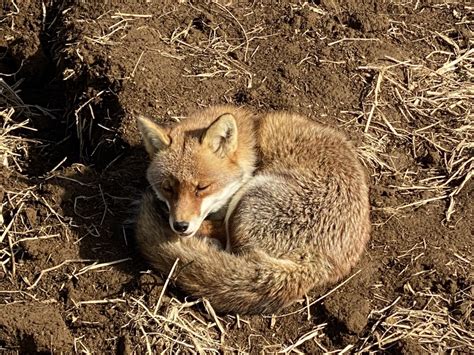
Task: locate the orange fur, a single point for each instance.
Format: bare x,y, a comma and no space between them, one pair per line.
294,196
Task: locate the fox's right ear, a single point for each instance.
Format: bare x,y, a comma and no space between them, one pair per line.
155,137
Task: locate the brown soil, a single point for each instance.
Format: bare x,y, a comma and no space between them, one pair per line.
94,67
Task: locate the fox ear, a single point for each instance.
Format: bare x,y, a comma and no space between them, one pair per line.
155,137
221,135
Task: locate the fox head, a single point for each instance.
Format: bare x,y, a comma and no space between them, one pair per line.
194,169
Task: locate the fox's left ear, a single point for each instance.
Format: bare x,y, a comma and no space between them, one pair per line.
154,136
221,135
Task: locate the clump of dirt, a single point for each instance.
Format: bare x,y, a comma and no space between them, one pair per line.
394,76
350,309
33,328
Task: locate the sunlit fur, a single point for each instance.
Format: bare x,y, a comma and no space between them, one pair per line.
298,216
187,163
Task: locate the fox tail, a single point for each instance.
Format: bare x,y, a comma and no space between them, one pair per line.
244,283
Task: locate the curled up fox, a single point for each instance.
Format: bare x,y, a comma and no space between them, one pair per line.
290,194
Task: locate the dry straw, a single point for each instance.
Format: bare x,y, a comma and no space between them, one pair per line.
427,109
433,328
15,226
425,106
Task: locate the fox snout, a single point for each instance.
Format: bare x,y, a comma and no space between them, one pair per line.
180,227
185,228
185,215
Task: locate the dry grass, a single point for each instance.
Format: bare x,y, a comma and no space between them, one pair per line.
13,147
217,45
423,109
434,323
433,314
177,326
167,324
220,47
15,228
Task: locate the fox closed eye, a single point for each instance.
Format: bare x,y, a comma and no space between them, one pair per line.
202,188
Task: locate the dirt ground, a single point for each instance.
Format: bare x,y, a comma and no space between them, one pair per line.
396,76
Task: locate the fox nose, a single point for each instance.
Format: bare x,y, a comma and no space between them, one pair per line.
180,227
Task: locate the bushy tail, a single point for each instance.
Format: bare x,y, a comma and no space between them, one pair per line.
245,283
254,283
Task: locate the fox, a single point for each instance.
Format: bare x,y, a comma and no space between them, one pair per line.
286,197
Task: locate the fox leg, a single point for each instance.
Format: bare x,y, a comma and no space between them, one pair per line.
213,231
